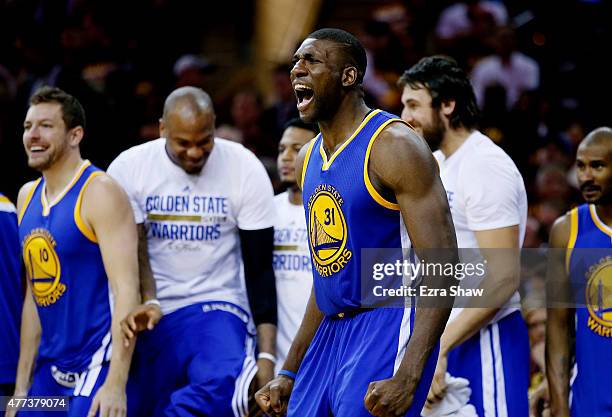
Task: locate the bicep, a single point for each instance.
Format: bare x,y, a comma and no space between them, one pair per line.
257,198
108,211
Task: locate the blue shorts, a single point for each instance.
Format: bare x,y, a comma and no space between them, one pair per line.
496,362
197,361
347,354
80,396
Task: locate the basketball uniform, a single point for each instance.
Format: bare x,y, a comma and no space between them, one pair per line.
485,191
10,296
192,223
71,292
293,271
590,262
352,346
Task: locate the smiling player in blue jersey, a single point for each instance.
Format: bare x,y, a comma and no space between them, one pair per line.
584,332
367,179
78,236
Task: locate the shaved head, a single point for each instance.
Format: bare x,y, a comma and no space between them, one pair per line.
188,124
187,102
602,136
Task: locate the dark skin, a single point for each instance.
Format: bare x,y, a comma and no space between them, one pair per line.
594,169
402,168
188,124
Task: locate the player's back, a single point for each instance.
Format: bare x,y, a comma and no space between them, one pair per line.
590,269
346,214
10,292
67,276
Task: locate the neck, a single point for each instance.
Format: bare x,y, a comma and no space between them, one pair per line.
338,129
295,195
61,173
453,139
604,212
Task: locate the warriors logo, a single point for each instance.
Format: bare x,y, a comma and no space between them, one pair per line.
327,231
599,297
43,267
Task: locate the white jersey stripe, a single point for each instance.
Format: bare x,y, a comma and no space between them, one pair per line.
90,382
241,386
500,381
488,384
404,336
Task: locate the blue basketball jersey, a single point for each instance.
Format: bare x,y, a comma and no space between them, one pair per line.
10,292
67,277
590,272
345,214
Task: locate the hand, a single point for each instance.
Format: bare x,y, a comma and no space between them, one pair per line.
265,372
12,412
438,384
145,316
537,396
390,397
110,400
274,396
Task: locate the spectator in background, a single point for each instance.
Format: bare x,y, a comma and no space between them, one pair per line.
514,71
460,19
284,107
192,70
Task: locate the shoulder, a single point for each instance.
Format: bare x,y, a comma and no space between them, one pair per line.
562,229
142,152
24,193
235,153
101,185
486,154
400,155
281,198
301,159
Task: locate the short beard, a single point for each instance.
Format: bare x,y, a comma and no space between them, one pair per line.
434,134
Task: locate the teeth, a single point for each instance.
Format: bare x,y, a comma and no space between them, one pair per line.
37,148
301,87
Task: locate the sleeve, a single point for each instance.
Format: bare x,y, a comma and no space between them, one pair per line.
256,210
123,172
492,190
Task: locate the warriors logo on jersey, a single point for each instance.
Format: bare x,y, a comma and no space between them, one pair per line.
43,266
327,230
599,297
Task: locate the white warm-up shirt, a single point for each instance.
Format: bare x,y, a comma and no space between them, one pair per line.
485,191
192,220
293,270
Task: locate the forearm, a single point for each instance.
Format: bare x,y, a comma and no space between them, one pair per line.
28,346
126,299
148,290
266,338
558,335
464,326
310,324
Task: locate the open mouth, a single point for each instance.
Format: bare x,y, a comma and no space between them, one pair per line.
304,95
36,149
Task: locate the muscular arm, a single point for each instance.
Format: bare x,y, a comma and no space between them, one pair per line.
107,211
560,322
402,163
502,282
30,325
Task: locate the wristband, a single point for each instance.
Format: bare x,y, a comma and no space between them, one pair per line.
287,373
152,301
266,355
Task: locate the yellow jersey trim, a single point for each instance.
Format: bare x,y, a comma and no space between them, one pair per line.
43,198
3,199
28,198
600,225
366,177
326,163
306,159
572,237
78,219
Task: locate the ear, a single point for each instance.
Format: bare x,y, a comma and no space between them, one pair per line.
349,76
162,128
447,107
76,135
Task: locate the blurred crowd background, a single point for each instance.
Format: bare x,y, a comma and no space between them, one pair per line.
538,69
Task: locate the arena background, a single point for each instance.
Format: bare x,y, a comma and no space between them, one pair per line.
121,58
